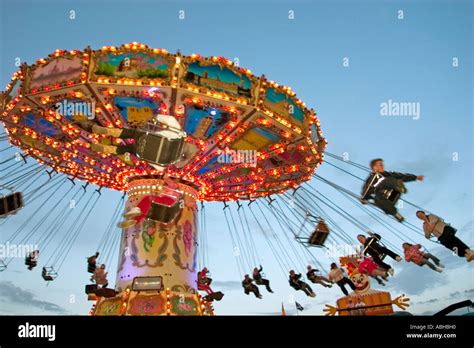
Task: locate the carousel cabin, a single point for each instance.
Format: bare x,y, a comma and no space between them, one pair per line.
10,204
318,237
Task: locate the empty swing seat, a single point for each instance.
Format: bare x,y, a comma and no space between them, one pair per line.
166,206
215,296
318,237
91,288
161,144
11,204
105,292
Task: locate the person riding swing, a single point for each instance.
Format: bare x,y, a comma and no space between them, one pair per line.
249,287
92,263
32,259
372,247
297,284
316,278
259,280
386,188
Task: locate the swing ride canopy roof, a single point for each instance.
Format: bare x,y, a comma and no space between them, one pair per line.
246,136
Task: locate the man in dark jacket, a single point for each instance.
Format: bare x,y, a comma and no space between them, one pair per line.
259,280
249,287
297,284
385,187
374,249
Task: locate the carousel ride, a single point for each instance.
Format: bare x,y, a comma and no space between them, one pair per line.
172,133
168,130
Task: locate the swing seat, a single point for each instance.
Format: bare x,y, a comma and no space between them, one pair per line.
204,281
105,292
30,262
320,234
202,285
91,267
11,204
161,144
217,296
49,274
381,255
391,195
295,286
164,209
91,288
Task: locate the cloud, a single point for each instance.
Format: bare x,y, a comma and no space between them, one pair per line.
12,294
456,295
414,280
226,285
433,300
469,292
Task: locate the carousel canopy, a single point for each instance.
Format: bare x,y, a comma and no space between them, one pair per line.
246,136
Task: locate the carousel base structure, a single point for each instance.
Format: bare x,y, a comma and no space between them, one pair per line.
151,303
157,268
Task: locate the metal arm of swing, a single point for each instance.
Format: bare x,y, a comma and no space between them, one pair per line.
294,190
84,187
72,180
382,256
225,205
50,173
239,205
315,218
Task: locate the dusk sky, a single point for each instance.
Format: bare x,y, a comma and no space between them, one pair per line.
424,58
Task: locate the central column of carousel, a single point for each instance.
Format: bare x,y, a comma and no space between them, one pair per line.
157,266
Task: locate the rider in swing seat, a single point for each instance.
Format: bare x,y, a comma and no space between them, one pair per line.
92,263
372,247
259,280
32,259
249,287
297,284
385,188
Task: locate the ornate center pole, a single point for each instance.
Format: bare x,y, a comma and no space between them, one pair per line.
157,268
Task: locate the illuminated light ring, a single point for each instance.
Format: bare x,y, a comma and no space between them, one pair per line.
111,171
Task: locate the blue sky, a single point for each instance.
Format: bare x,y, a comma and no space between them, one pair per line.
407,60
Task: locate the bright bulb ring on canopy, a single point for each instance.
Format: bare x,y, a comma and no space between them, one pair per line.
246,136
